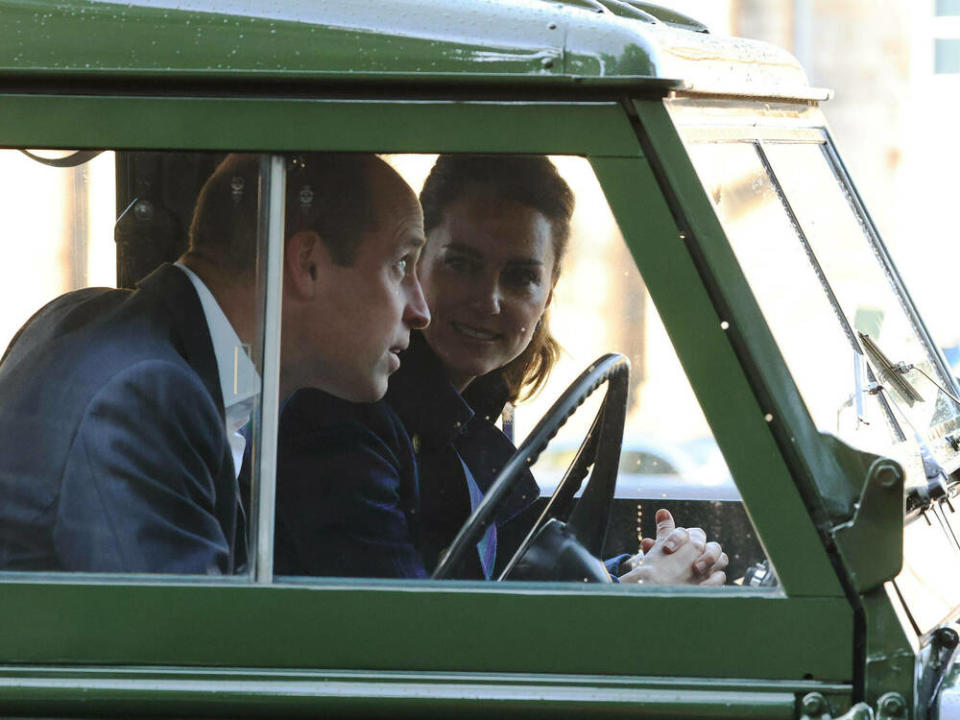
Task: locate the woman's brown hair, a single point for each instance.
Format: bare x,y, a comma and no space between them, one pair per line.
530,180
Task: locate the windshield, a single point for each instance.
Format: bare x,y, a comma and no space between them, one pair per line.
865,290
850,337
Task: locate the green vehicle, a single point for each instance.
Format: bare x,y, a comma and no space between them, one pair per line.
719,244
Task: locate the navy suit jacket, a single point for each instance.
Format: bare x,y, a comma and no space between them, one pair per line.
346,490
113,454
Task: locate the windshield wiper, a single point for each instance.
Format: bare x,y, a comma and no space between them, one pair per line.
890,372
864,384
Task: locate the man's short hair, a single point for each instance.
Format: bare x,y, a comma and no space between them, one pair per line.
329,193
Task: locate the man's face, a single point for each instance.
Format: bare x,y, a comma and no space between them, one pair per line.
361,315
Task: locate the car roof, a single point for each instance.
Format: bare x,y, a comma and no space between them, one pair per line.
526,43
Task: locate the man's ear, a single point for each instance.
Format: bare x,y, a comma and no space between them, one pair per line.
303,255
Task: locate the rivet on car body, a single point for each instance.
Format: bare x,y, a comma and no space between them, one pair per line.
813,704
892,705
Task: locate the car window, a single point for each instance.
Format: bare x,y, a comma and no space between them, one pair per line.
599,304
376,491
127,390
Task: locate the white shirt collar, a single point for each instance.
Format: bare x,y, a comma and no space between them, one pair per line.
239,380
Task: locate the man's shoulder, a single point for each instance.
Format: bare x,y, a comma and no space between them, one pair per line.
67,313
105,312
91,332
83,340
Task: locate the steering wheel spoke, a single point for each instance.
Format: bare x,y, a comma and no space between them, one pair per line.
590,517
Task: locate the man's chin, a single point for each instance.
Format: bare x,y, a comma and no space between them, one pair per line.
369,391
373,392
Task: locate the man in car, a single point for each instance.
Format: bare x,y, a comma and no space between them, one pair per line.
120,410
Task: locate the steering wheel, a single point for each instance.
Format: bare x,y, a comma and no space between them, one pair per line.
554,549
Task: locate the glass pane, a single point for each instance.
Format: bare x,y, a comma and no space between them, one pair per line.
948,7
866,293
786,278
382,489
127,379
946,55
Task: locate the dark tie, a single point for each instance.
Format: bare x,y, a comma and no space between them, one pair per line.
487,546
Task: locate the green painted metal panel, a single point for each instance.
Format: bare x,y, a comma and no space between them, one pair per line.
429,627
871,544
891,655
418,41
290,124
716,375
111,692
289,38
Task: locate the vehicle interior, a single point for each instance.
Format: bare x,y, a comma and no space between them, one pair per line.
150,212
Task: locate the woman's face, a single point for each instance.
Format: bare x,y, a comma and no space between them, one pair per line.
487,276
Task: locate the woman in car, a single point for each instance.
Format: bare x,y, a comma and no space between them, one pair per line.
359,489
497,230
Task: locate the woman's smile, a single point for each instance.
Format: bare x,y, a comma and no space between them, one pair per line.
474,333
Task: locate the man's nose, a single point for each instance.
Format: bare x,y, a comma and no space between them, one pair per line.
416,315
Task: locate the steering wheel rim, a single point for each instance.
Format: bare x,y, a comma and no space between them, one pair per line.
606,433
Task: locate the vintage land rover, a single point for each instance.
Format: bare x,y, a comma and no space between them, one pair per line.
718,243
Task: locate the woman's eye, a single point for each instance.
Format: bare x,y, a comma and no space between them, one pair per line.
521,278
402,264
